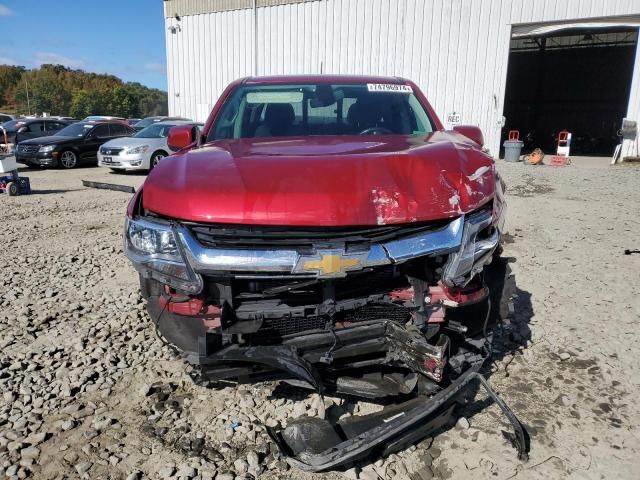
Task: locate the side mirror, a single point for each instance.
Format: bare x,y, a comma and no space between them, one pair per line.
471,132
22,130
181,136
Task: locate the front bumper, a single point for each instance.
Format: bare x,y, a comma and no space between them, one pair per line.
313,444
469,253
124,162
40,159
210,260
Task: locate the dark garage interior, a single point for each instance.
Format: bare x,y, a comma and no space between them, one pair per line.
578,80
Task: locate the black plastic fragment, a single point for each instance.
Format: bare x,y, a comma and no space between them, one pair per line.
309,434
280,357
389,430
109,186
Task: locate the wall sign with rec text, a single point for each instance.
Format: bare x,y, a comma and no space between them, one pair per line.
454,119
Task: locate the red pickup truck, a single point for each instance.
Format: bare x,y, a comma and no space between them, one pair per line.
324,230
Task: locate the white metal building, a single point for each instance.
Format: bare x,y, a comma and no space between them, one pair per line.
457,51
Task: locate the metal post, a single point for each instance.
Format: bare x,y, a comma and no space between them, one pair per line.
255,37
540,72
28,102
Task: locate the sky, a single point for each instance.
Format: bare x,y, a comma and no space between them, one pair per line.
120,37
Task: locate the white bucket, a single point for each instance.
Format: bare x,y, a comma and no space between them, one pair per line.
8,164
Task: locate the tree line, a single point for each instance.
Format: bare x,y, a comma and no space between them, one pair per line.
59,90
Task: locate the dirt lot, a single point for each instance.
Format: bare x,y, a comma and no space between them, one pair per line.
88,391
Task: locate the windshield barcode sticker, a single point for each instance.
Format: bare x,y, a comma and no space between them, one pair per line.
389,88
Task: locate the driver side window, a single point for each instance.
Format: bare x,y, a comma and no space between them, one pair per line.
35,127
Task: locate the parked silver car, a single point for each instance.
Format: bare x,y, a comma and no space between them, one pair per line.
143,151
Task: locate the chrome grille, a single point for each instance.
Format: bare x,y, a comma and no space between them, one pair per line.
302,238
28,148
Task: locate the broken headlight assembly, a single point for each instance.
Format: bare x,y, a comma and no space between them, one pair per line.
156,253
479,240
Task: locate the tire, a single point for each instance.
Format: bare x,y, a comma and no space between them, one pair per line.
12,189
68,159
156,157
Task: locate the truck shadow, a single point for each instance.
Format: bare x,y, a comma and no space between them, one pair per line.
512,311
508,329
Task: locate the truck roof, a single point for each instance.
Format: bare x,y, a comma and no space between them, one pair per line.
283,79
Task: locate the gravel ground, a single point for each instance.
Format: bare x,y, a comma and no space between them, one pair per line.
89,392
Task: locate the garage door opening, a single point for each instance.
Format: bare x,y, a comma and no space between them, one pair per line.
577,80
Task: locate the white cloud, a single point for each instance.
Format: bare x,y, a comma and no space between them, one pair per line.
54,58
5,11
155,67
8,61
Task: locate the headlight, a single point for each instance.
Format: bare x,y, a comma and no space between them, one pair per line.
47,149
149,239
137,150
479,240
154,251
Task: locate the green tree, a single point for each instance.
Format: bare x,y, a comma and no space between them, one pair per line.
9,78
59,90
122,103
83,104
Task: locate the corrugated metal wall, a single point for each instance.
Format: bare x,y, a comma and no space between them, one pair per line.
196,7
455,50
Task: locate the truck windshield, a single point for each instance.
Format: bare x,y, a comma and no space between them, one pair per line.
257,111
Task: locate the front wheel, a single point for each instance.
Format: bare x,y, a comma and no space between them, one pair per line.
68,159
12,189
156,157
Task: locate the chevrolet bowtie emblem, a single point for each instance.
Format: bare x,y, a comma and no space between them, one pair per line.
331,265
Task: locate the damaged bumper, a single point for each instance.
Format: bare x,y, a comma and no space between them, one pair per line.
315,445
323,359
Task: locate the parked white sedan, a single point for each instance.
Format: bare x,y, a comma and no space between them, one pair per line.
142,151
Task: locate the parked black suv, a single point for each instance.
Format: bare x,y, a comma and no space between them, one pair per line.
27,128
75,144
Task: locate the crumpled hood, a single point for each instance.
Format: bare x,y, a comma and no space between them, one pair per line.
323,181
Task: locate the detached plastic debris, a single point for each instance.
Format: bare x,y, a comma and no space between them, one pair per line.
234,424
109,186
313,444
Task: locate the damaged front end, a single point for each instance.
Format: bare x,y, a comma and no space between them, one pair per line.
363,311
363,307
